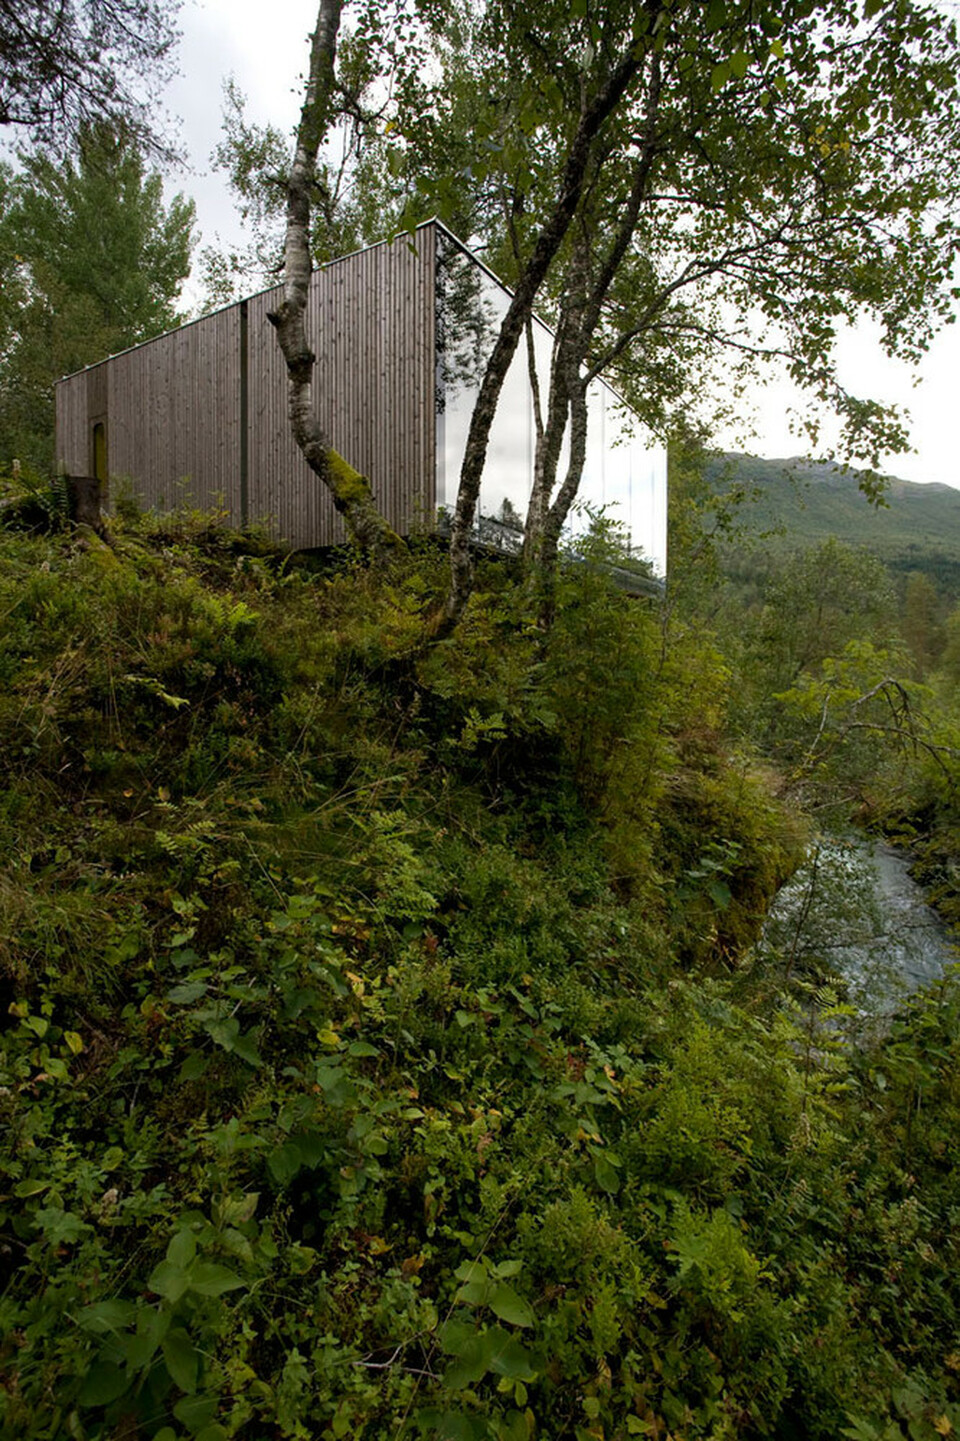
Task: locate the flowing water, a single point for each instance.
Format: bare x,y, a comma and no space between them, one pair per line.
854,912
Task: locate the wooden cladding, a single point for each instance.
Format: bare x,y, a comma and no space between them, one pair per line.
199,415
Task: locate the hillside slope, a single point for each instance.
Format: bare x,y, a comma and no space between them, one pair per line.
798,503
384,1054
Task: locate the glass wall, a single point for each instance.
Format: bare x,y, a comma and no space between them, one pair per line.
624,473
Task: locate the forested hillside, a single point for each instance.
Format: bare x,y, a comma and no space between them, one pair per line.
390,1049
796,503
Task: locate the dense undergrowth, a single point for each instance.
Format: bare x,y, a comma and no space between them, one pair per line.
382,1052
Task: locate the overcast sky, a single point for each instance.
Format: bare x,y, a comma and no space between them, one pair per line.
264,45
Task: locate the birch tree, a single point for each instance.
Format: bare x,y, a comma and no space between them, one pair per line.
350,491
792,170
678,186
624,60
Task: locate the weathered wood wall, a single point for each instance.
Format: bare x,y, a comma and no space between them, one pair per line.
370,319
200,415
172,411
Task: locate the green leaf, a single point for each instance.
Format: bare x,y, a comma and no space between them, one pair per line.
60,1228
196,1412
300,1259
508,1357
106,1317
455,1336
362,1048
471,1270
719,76
189,991
509,1306
23,1189
152,1326
168,1281
720,894
467,1369
182,1358
209,1279
374,1145
224,1033
182,1249
606,1177
194,1066
284,1163
102,1384
312,1146
473,1293
245,1047
458,1426
239,1209
513,1427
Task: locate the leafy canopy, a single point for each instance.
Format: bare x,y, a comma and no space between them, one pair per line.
66,66
92,261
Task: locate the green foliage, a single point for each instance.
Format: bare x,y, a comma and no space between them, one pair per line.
819,601
798,504
823,141
359,1079
91,261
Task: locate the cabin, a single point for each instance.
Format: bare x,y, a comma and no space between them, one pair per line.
402,331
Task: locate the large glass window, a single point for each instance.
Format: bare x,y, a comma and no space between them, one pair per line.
624,474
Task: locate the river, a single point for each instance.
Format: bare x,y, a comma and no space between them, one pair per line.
854,912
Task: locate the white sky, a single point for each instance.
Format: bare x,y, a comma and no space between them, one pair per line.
265,47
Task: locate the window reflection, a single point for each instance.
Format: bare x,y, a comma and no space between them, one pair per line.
622,475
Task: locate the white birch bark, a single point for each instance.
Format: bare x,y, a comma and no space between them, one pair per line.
350,491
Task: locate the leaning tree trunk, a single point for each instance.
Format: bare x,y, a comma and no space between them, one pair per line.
548,243
565,361
349,490
580,316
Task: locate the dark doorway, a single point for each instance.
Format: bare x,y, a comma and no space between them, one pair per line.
100,452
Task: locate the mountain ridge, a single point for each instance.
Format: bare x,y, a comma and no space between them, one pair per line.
791,503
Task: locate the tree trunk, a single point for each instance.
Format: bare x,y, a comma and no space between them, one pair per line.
581,311
350,491
548,243
567,494
567,348
547,455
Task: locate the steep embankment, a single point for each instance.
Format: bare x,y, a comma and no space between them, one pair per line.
381,1057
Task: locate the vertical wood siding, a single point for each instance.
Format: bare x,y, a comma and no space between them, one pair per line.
72,428
173,415
173,405
370,322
